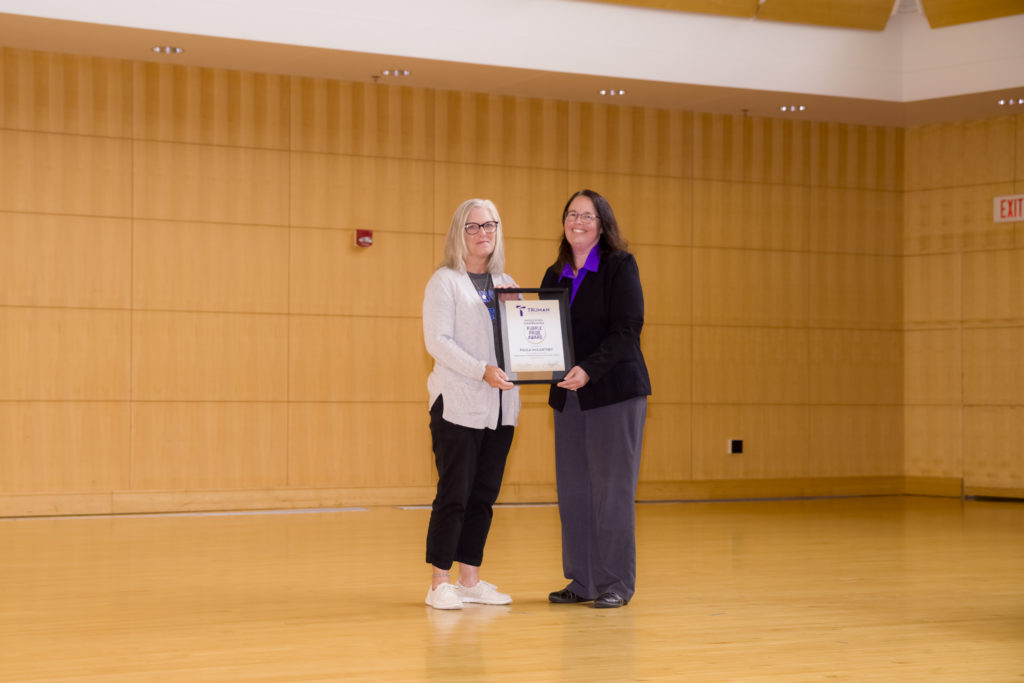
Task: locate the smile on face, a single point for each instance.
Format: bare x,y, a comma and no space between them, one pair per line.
482,243
582,235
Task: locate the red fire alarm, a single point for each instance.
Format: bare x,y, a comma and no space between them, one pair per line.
364,238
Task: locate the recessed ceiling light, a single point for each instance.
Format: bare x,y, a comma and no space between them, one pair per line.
612,93
167,50
793,107
396,73
1011,101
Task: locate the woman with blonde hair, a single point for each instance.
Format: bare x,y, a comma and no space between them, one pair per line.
473,406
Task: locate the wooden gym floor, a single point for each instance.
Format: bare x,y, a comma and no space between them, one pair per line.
852,589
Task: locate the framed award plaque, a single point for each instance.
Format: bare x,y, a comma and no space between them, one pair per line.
536,334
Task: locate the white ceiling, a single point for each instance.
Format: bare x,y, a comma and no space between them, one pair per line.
566,49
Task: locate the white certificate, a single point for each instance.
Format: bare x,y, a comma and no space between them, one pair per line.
535,341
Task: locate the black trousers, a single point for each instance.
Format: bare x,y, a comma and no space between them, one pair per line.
470,465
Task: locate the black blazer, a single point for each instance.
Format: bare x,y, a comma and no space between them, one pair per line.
607,316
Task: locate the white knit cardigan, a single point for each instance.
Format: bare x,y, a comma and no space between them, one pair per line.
458,334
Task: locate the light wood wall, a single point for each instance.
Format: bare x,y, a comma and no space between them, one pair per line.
185,322
964,306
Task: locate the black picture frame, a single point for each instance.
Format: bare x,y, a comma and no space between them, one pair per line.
522,338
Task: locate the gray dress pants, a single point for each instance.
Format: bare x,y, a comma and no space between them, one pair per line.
597,464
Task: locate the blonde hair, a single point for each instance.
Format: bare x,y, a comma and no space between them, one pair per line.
455,250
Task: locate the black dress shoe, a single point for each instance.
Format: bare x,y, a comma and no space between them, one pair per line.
566,596
607,600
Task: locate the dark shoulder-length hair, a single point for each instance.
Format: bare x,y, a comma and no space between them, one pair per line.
610,240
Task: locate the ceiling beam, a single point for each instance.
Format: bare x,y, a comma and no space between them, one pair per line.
942,13
727,8
868,15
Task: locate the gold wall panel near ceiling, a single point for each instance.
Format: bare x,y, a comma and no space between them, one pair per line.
871,15
951,12
729,8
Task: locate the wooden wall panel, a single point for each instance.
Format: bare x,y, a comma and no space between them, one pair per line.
64,354
349,192
1019,151
668,352
209,357
652,210
752,150
360,444
761,150
64,446
258,351
933,441
750,365
961,154
502,131
775,442
667,454
182,182
954,219
751,216
666,276
856,221
49,260
60,93
194,446
856,367
993,365
210,106
357,359
963,312
535,393
530,201
851,290
933,369
331,275
994,446
849,441
526,260
532,458
210,267
69,174
993,286
932,286
857,157
739,287
362,119
632,140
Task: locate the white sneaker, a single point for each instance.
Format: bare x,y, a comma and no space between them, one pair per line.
483,592
444,597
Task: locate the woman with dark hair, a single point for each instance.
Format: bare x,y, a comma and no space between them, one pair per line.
600,406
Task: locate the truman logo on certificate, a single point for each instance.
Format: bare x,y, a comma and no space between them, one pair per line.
534,336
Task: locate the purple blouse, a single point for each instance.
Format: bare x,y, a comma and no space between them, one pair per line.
592,263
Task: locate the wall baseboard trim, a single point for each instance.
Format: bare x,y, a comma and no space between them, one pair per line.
155,502
752,489
994,492
149,502
951,487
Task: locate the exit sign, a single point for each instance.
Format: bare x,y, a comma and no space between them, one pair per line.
1008,209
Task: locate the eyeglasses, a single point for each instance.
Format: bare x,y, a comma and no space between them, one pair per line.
581,217
488,227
